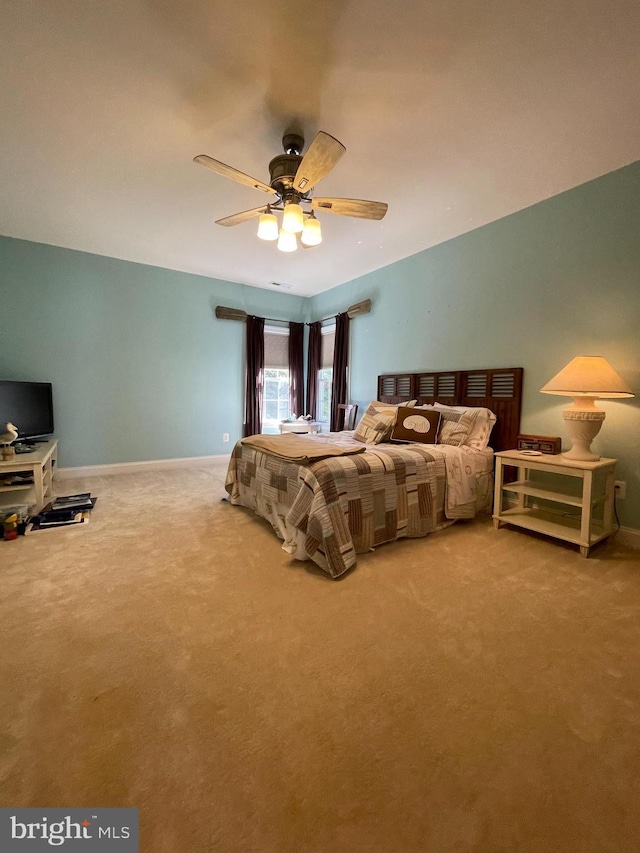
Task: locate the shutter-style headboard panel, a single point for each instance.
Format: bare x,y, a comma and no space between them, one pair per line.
396,387
440,387
498,389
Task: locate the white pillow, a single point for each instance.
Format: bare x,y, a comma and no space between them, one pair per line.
379,405
483,422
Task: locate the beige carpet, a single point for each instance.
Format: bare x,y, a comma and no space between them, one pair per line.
478,690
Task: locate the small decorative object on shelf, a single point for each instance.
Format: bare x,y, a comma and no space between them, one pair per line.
302,424
6,440
294,418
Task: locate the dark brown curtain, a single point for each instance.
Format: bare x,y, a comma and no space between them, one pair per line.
255,376
296,367
340,367
314,362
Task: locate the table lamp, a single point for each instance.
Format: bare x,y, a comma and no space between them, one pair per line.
585,379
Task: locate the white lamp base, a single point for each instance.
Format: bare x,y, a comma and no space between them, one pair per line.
583,425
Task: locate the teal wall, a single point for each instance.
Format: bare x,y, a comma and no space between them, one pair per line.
141,369
532,290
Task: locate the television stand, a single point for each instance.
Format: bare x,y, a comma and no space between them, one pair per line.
40,463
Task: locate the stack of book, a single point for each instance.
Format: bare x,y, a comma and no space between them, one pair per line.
19,478
63,511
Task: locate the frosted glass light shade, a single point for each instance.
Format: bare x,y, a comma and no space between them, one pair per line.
287,241
292,218
587,376
312,233
268,227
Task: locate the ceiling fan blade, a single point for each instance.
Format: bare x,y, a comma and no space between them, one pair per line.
322,155
229,172
351,207
237,218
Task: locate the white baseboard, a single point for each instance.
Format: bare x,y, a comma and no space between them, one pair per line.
629,536
136,467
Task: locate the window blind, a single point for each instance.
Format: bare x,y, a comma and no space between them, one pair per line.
328,343
276,348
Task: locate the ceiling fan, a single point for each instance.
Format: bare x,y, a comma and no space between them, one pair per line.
293,178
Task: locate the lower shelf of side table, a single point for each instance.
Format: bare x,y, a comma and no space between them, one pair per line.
552,524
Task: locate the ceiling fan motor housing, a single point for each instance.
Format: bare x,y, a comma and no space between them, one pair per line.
283,170
292,143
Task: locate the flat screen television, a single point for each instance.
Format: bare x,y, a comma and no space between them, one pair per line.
27,405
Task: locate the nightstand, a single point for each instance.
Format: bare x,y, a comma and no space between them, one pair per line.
568,500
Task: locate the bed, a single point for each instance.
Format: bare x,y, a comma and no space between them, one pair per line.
333,497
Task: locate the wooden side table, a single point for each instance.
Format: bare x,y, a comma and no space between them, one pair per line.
575,505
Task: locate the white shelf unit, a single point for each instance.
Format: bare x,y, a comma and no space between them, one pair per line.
40,465
577,497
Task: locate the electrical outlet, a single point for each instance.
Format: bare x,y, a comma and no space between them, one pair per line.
225,436
621,489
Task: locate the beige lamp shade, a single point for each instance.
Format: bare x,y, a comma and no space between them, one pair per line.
588,376
585,378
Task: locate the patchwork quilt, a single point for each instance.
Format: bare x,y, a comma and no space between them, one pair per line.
333,508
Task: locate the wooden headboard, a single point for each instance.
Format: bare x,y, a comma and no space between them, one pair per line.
498,389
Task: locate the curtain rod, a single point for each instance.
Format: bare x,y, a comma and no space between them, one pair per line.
273,320
324,320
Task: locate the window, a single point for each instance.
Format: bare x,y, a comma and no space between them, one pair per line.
325,375
325,378
276,398
275,404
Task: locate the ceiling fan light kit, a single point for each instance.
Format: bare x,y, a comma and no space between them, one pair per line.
287,241
293,218
268,225
312,232
293,177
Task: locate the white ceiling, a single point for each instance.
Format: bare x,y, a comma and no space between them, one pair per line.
455,113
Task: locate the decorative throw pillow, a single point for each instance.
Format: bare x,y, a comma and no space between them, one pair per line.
484,419
391,406
375,425
455,427
414,425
